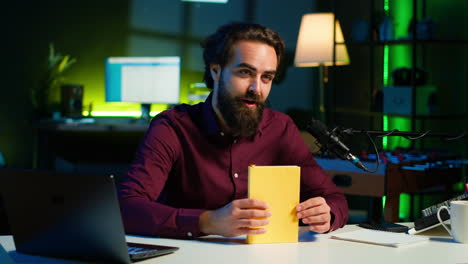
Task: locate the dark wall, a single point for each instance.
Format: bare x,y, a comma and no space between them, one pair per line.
88,30
15,110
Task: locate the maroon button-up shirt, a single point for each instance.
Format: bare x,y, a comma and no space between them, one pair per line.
185,165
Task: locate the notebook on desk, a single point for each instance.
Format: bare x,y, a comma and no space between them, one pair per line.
381,238
69,216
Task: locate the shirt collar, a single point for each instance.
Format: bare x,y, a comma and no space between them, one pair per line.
209,117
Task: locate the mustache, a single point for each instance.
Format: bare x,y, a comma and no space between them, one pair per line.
250,96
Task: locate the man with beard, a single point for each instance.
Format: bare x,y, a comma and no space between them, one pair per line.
189,177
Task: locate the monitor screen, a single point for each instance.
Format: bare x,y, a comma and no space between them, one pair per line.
144,80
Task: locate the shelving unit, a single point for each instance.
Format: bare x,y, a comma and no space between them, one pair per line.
352,98
354,90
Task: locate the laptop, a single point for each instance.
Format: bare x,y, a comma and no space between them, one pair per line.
69,216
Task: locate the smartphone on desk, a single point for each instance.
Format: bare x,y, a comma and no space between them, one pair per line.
384,226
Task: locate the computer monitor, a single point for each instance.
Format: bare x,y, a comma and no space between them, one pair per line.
143,80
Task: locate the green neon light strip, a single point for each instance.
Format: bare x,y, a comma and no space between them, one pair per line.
401,14
385,75
385,128
405,208
117,113
386,52
386,7
385,83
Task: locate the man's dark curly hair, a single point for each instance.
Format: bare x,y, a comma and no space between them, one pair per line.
219,47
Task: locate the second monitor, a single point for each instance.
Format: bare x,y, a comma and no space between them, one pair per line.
144,80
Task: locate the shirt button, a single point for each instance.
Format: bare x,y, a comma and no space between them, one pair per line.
236,175
221,133
189,234
235,141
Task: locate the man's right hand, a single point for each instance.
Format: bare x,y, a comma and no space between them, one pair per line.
239,217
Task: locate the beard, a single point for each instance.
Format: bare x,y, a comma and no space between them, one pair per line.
242,120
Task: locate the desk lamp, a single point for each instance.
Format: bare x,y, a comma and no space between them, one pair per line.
320,43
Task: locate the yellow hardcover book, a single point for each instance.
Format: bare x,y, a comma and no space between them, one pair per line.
279,187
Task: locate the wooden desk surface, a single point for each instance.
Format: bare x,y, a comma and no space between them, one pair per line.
312,248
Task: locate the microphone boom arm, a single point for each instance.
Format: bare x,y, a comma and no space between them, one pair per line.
407,134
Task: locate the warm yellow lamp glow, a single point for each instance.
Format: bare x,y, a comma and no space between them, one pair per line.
315,42
316,46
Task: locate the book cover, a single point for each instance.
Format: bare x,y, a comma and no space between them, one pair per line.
278,186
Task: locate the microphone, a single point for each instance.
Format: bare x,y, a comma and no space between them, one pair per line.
329,141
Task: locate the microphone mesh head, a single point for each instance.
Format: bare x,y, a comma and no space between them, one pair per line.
317,129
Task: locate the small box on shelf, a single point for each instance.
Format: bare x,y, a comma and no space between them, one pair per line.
399,99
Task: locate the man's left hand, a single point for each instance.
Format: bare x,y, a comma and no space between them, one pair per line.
316,213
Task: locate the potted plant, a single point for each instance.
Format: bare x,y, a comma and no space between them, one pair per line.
50,83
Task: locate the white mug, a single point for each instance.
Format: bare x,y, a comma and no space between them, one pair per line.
458,220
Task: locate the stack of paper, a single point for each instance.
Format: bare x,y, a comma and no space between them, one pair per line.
381,238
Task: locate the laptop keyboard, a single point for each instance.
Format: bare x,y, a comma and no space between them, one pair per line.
139,253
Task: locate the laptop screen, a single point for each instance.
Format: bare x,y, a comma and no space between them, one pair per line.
64,215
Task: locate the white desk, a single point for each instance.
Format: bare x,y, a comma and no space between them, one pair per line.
313,248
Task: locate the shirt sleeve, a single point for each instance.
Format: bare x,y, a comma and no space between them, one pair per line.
314,181
139,191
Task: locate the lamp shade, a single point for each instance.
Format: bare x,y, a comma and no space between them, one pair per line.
315,42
